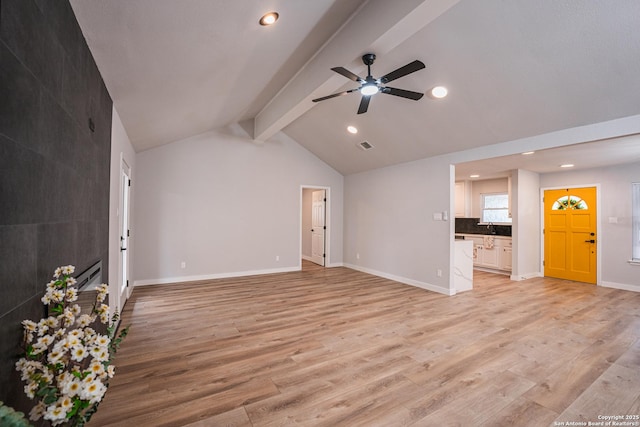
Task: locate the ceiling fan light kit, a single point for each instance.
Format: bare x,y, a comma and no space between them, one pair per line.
369,89
370,86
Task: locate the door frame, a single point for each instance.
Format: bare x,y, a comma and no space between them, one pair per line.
125,169
598,226
327,221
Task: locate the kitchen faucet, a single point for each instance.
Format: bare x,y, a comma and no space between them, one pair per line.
492,228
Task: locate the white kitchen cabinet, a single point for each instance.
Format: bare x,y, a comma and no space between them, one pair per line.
505,259
509,194
459,200
490,257
485,257
505,254
477,255
497,258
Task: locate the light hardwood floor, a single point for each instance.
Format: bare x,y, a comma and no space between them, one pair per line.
337,347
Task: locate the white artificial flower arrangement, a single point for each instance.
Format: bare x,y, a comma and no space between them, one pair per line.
67,364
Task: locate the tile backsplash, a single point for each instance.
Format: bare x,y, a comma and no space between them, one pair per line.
470,226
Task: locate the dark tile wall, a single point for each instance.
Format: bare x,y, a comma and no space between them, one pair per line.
470,226
54,171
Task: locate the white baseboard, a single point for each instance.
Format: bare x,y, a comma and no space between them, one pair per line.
334,264
406,281
168,280
179,279
492,270
525,276
614,285
621,286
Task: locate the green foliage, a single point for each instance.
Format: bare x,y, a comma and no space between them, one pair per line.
67,364
114,345
11,418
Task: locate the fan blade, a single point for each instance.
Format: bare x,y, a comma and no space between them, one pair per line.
364,104
403,93
411,67
334,95
348,74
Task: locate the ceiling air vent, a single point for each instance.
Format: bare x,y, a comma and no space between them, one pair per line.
365,145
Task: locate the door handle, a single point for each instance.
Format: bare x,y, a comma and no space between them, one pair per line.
590,241
123,249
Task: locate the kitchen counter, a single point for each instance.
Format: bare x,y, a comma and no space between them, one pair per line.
463,265
490,251
462,236
473,226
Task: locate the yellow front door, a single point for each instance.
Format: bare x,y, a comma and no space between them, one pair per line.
570,234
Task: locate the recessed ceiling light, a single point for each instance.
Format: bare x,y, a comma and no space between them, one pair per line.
526,153
474,176
352,129
439,92
567,165
269,18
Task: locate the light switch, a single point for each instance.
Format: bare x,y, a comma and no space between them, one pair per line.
437,216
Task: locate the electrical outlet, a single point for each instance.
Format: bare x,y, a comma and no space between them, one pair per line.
183,264
357,256
277,257
439,273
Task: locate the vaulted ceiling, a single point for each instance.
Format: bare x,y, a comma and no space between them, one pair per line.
514,69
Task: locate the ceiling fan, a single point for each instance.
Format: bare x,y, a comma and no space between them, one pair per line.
370,86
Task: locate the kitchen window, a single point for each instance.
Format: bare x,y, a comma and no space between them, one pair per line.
495,208
635,212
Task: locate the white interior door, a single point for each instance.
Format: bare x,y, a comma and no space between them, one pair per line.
124,211
318,226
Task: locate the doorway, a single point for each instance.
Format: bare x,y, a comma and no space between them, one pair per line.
124,210
570,234
314,239
318,226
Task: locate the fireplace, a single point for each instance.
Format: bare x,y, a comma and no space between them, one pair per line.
87,283
90,279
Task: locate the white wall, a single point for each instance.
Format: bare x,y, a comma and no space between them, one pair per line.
485,186
120,148
389,222
526,231
226,206
388,212
614,202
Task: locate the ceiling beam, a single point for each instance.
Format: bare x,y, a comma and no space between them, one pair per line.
378,26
